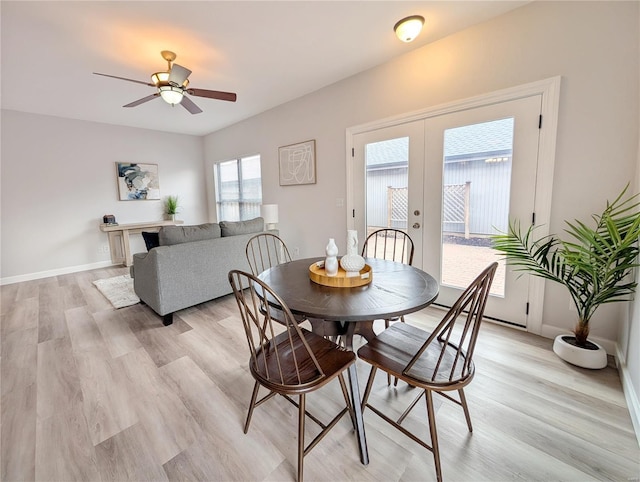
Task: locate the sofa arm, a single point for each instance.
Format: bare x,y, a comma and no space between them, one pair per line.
144,272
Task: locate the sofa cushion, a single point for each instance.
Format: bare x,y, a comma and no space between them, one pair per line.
235,228
169,235
151,240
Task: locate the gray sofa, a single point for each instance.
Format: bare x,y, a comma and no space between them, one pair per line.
191,264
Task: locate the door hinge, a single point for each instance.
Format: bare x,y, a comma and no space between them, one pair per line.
353,152
533,218
540,122
526,311
353,213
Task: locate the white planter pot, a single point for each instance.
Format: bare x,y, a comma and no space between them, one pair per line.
595,358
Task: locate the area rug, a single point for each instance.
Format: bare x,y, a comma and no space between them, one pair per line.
118,290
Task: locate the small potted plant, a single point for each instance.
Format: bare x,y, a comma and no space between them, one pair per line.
595,266
171,204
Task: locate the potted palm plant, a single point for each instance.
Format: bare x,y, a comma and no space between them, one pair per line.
172,207
595,266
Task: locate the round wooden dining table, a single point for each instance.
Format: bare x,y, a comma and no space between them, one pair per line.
396,289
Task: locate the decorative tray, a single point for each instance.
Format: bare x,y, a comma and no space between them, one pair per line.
341,280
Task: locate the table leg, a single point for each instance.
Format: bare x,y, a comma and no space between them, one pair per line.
115,247
128,258
357,409
325,328
362,328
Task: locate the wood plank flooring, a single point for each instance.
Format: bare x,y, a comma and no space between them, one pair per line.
90,393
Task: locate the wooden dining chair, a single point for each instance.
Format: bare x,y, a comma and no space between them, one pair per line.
287,359
267,250
436,362
264,251
393,245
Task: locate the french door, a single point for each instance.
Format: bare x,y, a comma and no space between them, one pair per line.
467,173
483,166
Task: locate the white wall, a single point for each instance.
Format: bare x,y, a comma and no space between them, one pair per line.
592,45
629,343
59,179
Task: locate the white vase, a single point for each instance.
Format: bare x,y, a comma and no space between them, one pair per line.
331,261
352,262
594,358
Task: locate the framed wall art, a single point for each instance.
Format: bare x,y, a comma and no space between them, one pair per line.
298,163
137,181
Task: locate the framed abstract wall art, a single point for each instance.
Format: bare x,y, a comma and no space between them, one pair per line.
298,163
137,181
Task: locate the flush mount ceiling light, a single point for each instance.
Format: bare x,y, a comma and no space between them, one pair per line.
409,28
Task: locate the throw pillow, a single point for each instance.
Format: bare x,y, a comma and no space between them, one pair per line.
185,234
151,240
234,228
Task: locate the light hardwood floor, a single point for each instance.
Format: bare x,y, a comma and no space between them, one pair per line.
90,393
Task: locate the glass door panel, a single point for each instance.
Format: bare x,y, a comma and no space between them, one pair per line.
476,189
387,181
388,172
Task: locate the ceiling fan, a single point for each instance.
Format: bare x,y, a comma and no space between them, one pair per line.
172,86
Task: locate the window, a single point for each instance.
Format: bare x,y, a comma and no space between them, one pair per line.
238,189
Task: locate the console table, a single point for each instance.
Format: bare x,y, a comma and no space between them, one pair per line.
119,238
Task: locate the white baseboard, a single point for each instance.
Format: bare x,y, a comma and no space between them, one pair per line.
629,392
54,272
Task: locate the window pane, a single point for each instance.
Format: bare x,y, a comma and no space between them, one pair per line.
238,189
251,196
387,165
477,180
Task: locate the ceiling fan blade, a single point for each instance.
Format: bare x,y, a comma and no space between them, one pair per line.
124,78
213,94
190,106
178,75
143,100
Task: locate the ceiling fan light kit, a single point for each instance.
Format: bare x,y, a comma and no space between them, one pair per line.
172,86
409,28
170,94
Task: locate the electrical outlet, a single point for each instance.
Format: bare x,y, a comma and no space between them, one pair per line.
104,249
296,252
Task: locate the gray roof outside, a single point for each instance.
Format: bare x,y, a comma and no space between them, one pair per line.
475,138
487,137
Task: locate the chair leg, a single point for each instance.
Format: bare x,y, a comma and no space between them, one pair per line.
252,405
434,434
463,402
367,390
345,394
386,325
301,413
395,380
